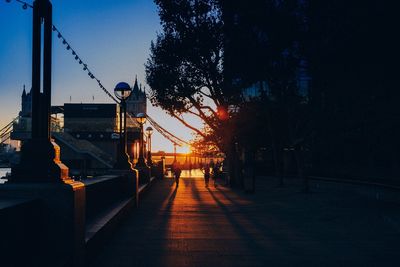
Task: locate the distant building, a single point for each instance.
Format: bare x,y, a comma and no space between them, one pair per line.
99,125
96,118
255,90
136,103
26,104
244,68
23,126
89,137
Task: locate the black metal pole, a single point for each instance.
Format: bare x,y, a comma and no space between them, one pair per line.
125,131
149,160
36,68
121,140
174,153
141,156
41,99
40,158
46,113
149,146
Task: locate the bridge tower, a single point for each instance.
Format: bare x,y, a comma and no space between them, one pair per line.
136,103
26,104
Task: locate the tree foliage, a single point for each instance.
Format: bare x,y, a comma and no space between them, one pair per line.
210,50
184,69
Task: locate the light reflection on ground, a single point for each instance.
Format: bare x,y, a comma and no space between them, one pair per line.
196,173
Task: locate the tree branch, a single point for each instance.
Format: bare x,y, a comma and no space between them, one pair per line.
204,94
210,109
203,116
188,125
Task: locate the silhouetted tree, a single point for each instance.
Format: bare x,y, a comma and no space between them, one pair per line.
210,51
184,70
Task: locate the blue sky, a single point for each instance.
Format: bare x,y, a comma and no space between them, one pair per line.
112,36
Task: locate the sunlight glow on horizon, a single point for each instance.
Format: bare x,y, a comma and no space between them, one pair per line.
186,149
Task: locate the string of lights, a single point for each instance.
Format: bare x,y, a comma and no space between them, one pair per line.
77,58
81,62
168,135
159,130
155,124
24,4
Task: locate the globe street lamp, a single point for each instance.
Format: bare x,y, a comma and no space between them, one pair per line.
141,119
149,132
122,91
141,166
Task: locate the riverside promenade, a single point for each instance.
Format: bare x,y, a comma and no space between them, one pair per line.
198,226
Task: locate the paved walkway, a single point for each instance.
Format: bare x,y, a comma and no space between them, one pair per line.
198,226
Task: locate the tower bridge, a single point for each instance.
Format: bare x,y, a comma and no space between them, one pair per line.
88,133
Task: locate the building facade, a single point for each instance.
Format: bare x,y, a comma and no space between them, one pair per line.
136,103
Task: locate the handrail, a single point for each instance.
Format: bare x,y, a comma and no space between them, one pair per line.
5,132
9,124
68,139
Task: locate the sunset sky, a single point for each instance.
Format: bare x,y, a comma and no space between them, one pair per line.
112,37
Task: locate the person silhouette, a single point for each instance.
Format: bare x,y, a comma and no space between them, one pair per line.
215,173
206,171
177,173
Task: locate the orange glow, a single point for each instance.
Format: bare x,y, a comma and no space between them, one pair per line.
186,149
222,113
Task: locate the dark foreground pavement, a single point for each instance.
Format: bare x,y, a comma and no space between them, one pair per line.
196,226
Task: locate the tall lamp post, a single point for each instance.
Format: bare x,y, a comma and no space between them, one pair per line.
175,152
190,158
141,119
149,132
141,166
122,91
40,174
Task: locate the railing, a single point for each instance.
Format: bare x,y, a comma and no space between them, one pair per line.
6,131
83,146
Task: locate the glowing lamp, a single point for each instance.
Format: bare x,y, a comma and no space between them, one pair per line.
141,118
222,113
149,131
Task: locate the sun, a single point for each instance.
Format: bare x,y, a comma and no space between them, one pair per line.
186,149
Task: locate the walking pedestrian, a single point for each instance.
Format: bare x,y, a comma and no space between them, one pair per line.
177,173
206,171
215,173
